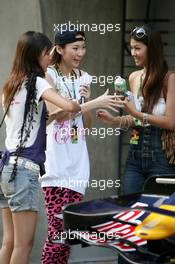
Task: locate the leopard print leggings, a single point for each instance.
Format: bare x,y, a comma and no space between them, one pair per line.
55,199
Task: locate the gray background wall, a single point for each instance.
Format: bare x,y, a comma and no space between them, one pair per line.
103,58
16,17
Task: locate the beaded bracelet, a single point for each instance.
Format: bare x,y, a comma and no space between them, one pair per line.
145,119
128,120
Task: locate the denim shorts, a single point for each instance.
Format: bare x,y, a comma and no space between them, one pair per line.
22,193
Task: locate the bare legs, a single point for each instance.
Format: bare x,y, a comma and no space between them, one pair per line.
18,235
8,237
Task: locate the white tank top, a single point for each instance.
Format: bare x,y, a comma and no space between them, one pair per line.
158,110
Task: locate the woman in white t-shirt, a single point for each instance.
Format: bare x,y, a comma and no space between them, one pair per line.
23,98
67,160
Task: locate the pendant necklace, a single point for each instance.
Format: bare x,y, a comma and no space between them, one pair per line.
74,125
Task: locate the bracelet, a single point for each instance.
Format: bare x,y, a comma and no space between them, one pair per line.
123,127
145,119
78,114
131,120
125,122
120,124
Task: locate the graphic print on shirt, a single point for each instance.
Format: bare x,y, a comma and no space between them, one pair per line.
61,131
68,131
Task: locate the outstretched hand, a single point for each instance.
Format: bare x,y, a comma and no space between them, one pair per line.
127,105
104,116
130,107
110,101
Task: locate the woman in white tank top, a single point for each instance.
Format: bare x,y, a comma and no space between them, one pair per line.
150,111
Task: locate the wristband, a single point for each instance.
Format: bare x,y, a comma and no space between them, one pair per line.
145,119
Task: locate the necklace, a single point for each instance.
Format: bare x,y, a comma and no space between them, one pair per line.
65,84
74,123
139,94
140,85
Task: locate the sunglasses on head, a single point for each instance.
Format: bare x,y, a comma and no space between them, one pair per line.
139,32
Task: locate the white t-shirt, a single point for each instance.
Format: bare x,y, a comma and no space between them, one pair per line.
67,163
14,119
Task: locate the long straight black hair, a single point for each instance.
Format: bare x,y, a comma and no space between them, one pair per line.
26,68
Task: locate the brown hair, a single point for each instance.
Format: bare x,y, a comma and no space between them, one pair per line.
156,68
56,57
29,47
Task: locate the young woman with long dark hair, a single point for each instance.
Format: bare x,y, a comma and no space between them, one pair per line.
152,112
23,96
